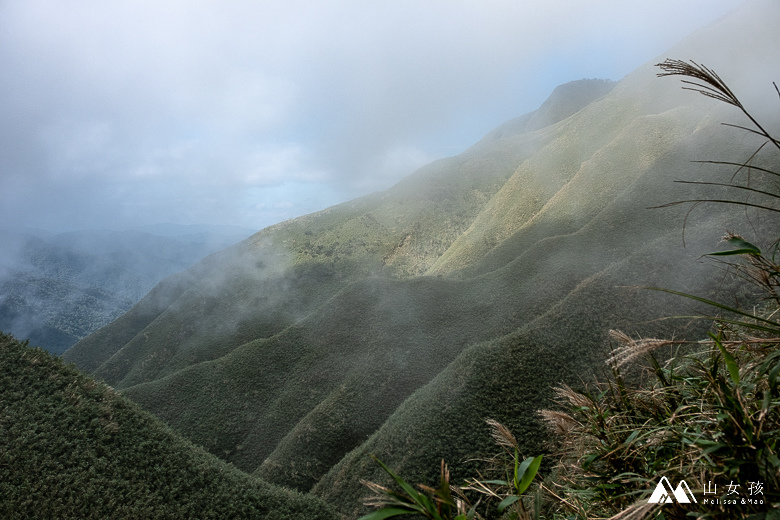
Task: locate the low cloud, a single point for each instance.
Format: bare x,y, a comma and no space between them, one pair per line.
139,112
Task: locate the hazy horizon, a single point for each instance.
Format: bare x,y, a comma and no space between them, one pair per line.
248,114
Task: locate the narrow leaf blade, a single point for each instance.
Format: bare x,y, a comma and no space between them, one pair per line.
717,305
410,491
529,473
508,501
731,364
741,243
731,252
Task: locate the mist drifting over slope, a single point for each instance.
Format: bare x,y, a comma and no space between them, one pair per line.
396,322
249,113
57,288
465,291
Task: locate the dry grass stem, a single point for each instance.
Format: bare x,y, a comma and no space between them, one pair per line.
637,511
378,500
711,85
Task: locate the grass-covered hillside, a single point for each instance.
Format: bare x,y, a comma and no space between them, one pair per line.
71,447
396,323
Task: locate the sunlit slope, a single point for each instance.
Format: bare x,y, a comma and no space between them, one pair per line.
563,275
292,405
599,151
510,378
577,171
280,275
321,339
595,156
71,447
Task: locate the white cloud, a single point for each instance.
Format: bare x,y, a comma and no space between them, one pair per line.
273,165
207,98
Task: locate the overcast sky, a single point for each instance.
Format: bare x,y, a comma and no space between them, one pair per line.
115,114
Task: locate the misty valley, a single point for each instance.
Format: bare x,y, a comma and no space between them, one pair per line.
55,289
460,314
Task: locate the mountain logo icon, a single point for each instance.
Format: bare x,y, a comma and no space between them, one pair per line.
663,493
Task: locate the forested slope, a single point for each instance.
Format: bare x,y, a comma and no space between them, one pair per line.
71,447
398,322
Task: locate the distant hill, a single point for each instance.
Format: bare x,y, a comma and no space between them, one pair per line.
396,323
57,288
71,447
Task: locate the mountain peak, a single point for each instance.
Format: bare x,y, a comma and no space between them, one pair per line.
566,100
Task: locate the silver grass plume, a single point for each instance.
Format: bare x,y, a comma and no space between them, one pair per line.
707,82
632,348
501,434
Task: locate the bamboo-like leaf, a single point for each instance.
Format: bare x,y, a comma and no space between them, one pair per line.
521,469
531,467
508,501
589,460
731,364
413,493
747,325
715,447
732,252
631,437
717,305
743,247
774,460
415,500
773,375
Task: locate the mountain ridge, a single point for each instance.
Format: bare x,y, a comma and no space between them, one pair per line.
395,253
396,323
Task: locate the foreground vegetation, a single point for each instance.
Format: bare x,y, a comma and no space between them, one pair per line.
71,447
709,417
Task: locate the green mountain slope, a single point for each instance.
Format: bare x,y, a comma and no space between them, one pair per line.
286,271
509,378
71,447
396,323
